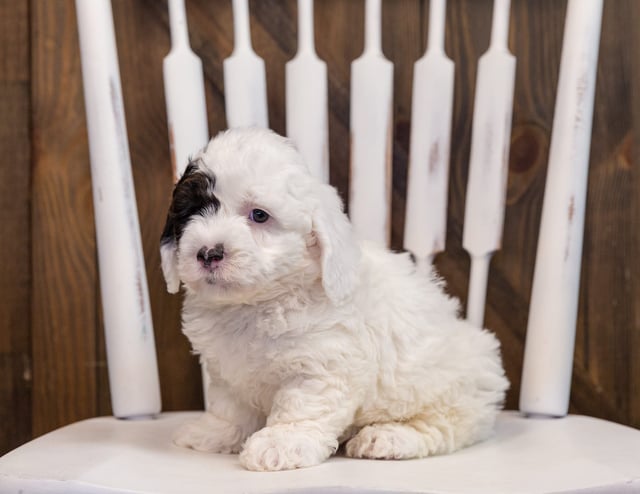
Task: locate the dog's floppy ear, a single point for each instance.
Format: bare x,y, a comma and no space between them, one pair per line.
177,216
169,263
169,255
340,253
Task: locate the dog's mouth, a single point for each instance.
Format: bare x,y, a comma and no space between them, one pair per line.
213,276
213,281
218,286
217,276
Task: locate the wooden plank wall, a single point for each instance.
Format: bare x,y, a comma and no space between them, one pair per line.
15,239
52,359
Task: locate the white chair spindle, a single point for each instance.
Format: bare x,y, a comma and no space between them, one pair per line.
548,359
431,112
245,86
186,103
133,370
488,164
371,134
306,98
184,93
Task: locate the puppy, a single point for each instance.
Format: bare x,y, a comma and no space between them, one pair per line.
311,339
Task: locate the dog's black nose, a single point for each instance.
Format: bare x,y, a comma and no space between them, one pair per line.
206,256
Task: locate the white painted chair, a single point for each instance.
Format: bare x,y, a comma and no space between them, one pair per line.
531,452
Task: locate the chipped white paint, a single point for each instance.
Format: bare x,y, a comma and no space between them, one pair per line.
488,165
371,132
245,86
133,371
546,374
306,98
432,105
184,93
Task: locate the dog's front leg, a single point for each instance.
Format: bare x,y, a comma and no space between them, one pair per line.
306,419
224,427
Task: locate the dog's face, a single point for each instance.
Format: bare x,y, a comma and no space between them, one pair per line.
248,222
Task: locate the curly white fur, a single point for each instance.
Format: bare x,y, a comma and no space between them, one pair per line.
311,339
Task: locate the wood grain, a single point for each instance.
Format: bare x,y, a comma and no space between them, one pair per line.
145,111
339,44
534,30
632,277
15,267
402,47
64,324
607,316
52,364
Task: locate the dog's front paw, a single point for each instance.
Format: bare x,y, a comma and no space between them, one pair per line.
387,442
285,447
211,434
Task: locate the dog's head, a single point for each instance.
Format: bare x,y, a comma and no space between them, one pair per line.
248,221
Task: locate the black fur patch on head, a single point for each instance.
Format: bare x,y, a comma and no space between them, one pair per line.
192,195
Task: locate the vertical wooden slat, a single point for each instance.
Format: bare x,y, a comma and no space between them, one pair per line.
306,97
273,34
548,360
488,162
607,350
131,352
184,93
371,140
64,265
467,33
428,177
186,107
340,44
402,47
633,388
604,340
244,75
536,40
137,24
15,253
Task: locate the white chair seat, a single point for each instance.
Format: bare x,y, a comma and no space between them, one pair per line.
103,455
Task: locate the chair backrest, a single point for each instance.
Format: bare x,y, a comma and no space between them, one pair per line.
552,320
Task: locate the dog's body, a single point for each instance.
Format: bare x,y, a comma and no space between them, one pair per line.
309,338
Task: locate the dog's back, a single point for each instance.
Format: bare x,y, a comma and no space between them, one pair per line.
430,362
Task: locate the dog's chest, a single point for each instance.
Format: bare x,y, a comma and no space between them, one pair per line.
253,349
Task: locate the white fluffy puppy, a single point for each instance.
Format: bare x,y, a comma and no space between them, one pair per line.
309,338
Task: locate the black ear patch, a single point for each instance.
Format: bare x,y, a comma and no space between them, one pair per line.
193,194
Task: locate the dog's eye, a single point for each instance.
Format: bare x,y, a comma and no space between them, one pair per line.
258,216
